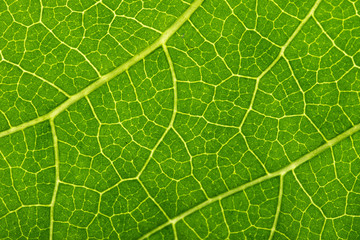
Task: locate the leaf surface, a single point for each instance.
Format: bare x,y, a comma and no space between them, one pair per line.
179,119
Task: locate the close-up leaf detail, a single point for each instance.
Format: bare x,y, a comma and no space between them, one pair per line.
180,119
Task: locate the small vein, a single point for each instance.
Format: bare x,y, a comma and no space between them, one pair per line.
171,123
332,41
57,177
281,190
107,77
282,51
154,201
308,195
98,136
75,49
279,172
37,76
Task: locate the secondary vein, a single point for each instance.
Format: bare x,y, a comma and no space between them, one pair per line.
279,172
57,177
107,77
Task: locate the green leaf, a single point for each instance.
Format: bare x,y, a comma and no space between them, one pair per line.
180,119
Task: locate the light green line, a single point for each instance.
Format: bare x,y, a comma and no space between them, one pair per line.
280,172
171,123
107,77
57,177
281,190
281,54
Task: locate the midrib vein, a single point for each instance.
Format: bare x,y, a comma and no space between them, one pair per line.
107,77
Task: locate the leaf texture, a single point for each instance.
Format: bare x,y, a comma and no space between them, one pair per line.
180,119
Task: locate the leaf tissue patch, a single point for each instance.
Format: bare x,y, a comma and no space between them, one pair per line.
180,119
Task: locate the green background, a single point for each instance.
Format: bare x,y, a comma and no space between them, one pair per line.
180,119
